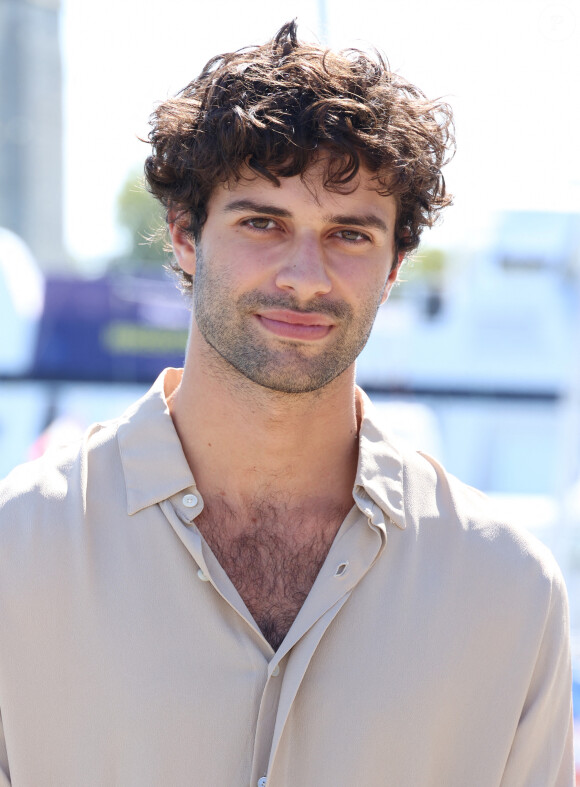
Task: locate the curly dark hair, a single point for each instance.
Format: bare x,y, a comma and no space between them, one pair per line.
274,108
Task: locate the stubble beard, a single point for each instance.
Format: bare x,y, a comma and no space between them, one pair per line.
229,327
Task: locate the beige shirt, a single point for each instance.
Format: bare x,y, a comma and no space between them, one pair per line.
432,650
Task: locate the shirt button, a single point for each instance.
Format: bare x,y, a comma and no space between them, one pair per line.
202,576
262,782
189,500
276,671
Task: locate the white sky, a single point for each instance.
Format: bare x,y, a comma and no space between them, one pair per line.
509,68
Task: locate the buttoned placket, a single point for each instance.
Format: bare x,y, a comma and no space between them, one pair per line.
354,550
351,555
181,511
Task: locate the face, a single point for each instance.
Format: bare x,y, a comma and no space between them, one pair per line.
288,279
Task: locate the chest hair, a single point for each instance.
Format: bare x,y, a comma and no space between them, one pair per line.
272,554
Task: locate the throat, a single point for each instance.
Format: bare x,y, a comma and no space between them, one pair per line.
272,555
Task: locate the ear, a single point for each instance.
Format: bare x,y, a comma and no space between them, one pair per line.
392,278
183,244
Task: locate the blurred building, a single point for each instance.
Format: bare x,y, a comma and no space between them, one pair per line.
31,127
497,361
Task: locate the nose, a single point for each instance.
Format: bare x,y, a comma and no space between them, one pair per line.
304,270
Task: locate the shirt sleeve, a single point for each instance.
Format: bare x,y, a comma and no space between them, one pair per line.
542,750
4,770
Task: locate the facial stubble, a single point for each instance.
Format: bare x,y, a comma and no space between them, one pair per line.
229,326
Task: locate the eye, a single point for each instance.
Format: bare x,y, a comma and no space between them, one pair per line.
261,223
353,236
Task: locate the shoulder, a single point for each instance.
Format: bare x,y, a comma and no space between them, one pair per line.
470,530
47,487
439,518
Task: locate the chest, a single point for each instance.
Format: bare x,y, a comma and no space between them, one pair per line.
272,556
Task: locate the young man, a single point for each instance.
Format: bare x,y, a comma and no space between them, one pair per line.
244,580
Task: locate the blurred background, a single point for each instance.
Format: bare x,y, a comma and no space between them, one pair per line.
476,356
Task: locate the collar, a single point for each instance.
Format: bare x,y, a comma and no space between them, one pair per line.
154,464
155,467
379,484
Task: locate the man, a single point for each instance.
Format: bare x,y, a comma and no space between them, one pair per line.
244,580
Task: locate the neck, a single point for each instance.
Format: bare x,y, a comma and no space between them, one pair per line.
244,441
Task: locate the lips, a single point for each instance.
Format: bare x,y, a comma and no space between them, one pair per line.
295,325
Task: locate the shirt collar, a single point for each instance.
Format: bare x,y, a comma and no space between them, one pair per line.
379,485
155,466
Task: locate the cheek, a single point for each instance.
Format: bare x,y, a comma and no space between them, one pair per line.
372,288
239,263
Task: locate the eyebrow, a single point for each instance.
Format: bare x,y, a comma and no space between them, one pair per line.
257,207
368,220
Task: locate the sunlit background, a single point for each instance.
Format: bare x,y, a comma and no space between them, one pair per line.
475,359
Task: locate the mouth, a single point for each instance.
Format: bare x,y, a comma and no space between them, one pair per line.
288,324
